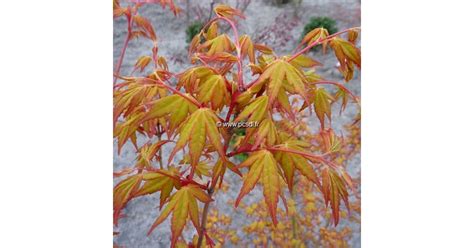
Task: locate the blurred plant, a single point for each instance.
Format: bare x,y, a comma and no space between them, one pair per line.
276,35
192,30
281,2
213,92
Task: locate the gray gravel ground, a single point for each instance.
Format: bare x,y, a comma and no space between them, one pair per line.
143,211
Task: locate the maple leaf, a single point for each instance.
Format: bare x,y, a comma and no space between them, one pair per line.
160,180
183,204
118,10
203,169
221,43
228,12
123,192
322,104
282,75
218,57
244,97
247,48
212,31
304,61
352,36
147,152
334,189
136,93
214,91
316,34
127,130
266,131
263,168
191,78
176,106
255,111
311,76
263,49
142,62
329,141
145,26
347,54
290,162
219,170
344,96
199,126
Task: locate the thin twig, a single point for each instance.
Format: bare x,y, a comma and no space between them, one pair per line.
125,45
205,212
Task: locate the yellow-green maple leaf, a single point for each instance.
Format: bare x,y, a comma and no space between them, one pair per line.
123,192
199,127
263,168
191,78
282,75
290,162
161,180
322,104
334,189
255,111
176,106
183,204
221,43
213,90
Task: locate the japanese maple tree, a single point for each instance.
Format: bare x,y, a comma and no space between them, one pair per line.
185,109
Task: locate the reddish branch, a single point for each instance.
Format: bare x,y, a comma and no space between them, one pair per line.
125,45
240,80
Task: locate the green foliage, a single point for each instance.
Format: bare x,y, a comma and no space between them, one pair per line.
281,2
192,30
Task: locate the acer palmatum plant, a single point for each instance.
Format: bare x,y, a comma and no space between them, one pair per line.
191,114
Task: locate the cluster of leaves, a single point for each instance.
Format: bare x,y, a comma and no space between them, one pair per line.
187,106
300,226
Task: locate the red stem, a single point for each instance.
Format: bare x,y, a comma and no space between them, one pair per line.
240,80
125,45
231,154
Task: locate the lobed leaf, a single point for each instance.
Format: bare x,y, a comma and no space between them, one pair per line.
255,111
183,204
123,192
160,180
199,127
176,107
334,189
228,12
263,167
322,104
